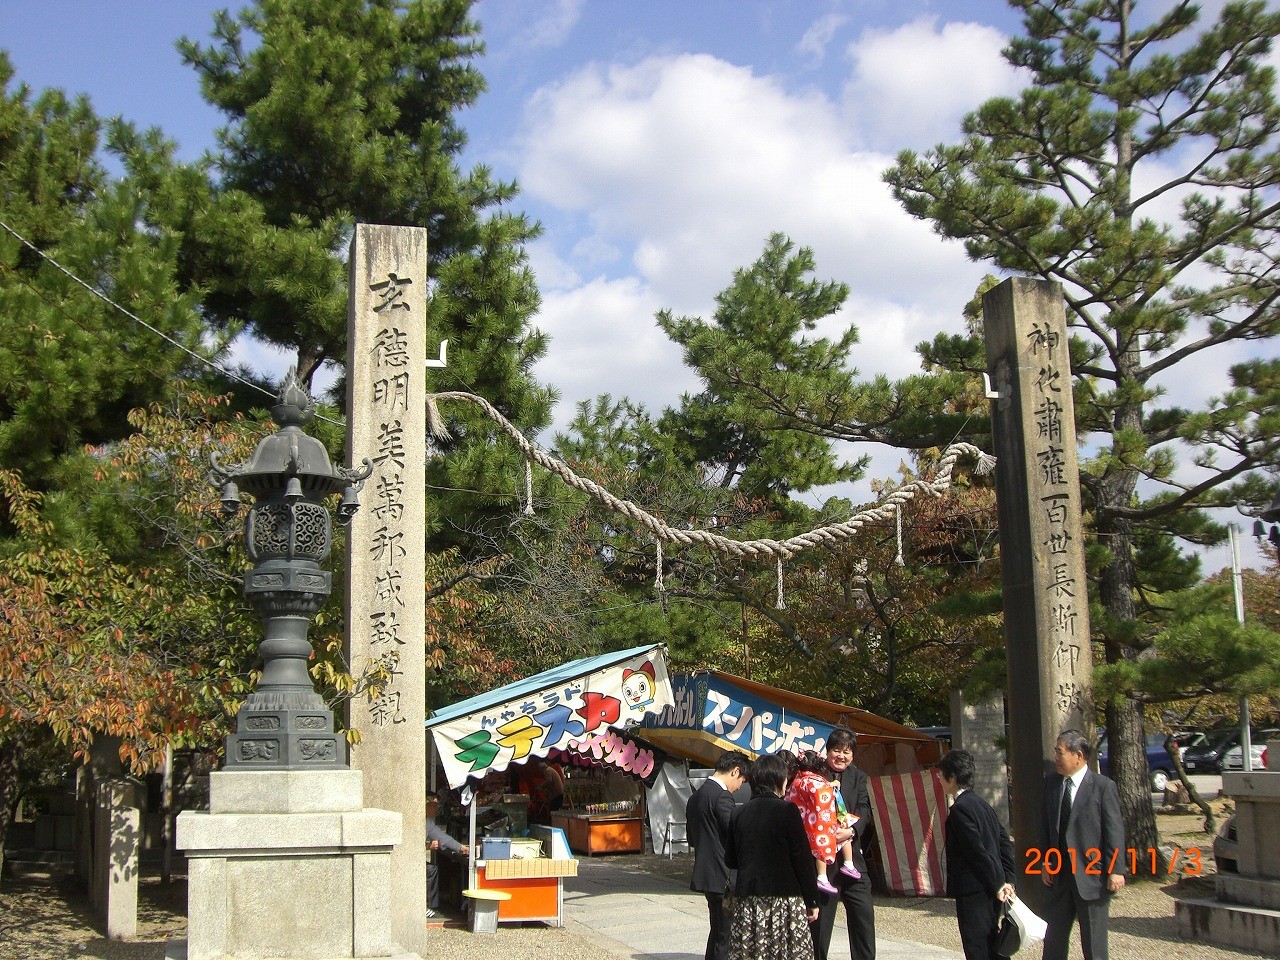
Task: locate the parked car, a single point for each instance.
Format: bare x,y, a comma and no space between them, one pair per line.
1233,758
1159,766
1225,847
1208,757
941,734
1188,739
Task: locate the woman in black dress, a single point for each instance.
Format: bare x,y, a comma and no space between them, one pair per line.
776,893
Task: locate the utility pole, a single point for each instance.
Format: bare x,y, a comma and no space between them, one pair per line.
1237,583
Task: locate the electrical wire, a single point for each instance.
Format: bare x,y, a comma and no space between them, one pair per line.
138,320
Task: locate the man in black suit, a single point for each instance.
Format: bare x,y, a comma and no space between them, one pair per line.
841,748
1083,830
706,818
980,871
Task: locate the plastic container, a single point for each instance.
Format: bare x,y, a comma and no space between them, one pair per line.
495,848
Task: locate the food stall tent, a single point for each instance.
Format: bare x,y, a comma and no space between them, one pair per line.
531,719
713,711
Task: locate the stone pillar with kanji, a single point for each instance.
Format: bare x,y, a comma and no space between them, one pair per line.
386,422
1046,603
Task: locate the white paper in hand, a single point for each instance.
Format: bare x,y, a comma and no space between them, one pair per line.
1032,927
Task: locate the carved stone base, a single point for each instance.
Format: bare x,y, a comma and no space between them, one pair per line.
285,740
1246,912
288,865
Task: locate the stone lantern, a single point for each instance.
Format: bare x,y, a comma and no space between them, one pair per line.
284,724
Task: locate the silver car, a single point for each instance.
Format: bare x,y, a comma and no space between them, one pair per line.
1233,759
1226,849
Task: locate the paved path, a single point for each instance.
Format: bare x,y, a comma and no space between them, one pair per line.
630,913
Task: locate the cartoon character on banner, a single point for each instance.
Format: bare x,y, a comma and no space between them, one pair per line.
638,686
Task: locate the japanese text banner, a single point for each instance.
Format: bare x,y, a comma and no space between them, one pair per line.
736,719
534,724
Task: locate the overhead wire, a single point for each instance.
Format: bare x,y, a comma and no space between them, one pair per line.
660,530
230,375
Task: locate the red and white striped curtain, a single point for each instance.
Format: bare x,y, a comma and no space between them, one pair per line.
910,810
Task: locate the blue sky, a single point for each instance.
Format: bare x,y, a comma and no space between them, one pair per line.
659,143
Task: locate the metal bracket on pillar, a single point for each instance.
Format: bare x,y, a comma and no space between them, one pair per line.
444,356
987,390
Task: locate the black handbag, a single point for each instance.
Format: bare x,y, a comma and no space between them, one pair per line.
1009,936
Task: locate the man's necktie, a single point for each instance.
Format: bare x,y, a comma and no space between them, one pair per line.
1064,814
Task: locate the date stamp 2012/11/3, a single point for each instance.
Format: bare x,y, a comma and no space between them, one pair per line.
1052,861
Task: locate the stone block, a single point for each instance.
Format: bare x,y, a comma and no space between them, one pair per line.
1249,891
303,886
198,832
301,908
1257,786
286,791
207,914
122,874
387,384
371,905
1046,610
178,950
371,828
980,728
1241,927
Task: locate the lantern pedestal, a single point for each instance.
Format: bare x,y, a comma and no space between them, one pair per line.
288,864
1246,911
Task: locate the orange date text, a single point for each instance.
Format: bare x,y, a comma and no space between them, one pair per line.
1095,863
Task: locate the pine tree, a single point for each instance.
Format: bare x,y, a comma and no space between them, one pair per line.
1139,170
730,458
345,111
72,366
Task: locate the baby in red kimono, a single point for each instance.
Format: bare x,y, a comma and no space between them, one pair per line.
824,812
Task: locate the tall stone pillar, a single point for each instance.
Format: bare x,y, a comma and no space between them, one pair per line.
1046,604
386,422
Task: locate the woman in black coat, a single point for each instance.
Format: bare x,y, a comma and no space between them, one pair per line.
776,893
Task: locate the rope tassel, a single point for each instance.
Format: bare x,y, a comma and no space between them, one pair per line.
662,531
897,516
435,424
528,489
657,579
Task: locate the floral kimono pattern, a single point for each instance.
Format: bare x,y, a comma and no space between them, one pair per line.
819,802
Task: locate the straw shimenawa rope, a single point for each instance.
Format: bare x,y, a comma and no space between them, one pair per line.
664,533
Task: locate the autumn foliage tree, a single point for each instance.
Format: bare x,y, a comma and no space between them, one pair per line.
80,655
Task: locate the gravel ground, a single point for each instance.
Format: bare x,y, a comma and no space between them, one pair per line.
43,921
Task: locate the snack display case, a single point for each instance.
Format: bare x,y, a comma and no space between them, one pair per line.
603,828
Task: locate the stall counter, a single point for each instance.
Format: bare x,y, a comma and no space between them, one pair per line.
536,887
593,833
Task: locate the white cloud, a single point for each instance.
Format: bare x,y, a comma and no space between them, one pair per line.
538,24
911,86
554,23
603,340
688,163
681,167
818,37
